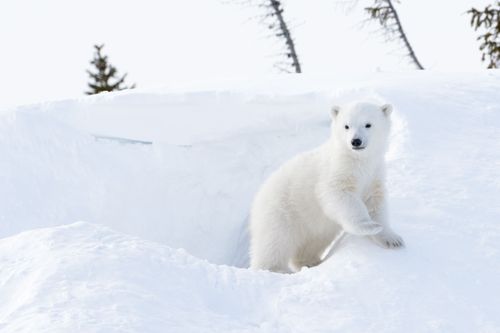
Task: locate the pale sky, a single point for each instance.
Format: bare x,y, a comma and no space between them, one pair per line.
47,44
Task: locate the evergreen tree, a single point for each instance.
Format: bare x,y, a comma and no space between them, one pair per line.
105,74
384,12
489,19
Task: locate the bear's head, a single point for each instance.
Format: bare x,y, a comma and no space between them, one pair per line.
361,127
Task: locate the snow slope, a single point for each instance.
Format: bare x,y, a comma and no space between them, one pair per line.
211,146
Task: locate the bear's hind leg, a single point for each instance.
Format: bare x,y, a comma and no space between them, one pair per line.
273,264
272,256
310,254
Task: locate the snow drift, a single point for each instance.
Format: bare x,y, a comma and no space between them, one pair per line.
182,175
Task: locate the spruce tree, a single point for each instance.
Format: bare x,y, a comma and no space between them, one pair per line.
489,19
105,77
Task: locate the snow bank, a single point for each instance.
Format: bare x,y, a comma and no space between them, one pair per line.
55,174
212,146
86,278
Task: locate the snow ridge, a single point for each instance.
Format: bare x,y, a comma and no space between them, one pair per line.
166,248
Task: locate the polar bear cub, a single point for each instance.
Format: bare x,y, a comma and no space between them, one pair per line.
308,201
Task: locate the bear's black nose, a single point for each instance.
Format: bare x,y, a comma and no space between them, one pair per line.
356,142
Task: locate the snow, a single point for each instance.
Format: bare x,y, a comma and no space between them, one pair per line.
164,245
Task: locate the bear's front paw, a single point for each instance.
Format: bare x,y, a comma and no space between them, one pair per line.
388,240
364,228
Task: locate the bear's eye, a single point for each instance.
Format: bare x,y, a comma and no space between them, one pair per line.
346,127
368,125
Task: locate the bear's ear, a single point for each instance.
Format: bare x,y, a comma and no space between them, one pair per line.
334,112
386,109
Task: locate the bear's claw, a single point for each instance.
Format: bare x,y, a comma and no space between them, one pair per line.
388,240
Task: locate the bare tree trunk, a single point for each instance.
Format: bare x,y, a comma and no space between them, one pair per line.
411,53
388,17
285,33
274,19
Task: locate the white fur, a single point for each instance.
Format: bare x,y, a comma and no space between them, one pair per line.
306,203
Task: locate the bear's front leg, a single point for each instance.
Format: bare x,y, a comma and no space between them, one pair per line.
377,208
347,209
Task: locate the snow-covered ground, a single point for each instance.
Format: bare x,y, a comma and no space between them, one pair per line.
164,246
